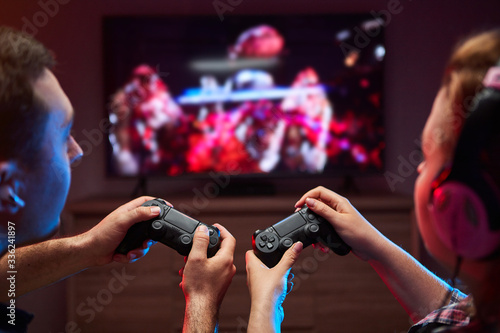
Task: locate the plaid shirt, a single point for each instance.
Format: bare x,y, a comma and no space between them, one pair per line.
457,313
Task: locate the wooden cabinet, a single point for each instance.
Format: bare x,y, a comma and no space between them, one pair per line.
330,293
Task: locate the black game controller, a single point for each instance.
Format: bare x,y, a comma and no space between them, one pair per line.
171,228
306,226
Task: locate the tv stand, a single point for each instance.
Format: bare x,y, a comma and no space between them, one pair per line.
249,188
141,188
348,186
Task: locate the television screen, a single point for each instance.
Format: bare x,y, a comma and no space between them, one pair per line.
276,95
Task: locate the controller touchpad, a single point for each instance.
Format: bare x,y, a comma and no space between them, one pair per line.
181,221
288,225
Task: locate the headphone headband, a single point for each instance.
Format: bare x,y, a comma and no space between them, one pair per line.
492,77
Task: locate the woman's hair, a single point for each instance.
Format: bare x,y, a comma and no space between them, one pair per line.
465,71
462,80
23,115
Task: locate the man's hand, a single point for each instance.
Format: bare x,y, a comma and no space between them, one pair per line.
102,240
206,280
44,263
268,289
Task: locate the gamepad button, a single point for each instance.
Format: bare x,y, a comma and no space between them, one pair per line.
211,232
311,216
271,239
287,242
157,225
269,246
213,241
185,239
262,244
264,238
314,228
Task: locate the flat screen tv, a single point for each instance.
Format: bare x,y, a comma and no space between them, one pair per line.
280,95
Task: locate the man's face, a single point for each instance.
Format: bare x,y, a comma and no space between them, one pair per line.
46,182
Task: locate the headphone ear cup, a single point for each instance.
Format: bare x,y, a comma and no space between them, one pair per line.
461,221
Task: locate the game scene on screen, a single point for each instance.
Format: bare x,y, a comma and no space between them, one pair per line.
250,97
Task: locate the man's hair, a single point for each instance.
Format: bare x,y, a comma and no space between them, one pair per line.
23,116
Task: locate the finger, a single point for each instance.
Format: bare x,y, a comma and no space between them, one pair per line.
332,199
138,214
228,242
314,193
289,258
121,258
322,247
324,210
137,202
201,240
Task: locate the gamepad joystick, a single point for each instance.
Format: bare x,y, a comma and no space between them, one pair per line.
270,244
171,228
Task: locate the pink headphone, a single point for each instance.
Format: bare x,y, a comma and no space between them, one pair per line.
466,201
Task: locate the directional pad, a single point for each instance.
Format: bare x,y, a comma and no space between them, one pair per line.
266,241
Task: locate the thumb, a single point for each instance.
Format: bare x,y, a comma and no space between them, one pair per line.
290,257
200,243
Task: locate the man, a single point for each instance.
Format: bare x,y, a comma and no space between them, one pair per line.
36,153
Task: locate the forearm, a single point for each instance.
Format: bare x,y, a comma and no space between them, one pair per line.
42,264
417,289
200,316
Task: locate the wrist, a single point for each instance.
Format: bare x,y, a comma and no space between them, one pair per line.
265,316
82,248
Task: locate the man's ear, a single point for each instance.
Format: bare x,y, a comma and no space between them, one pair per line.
10,202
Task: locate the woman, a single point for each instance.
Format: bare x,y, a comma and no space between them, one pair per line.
420,292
